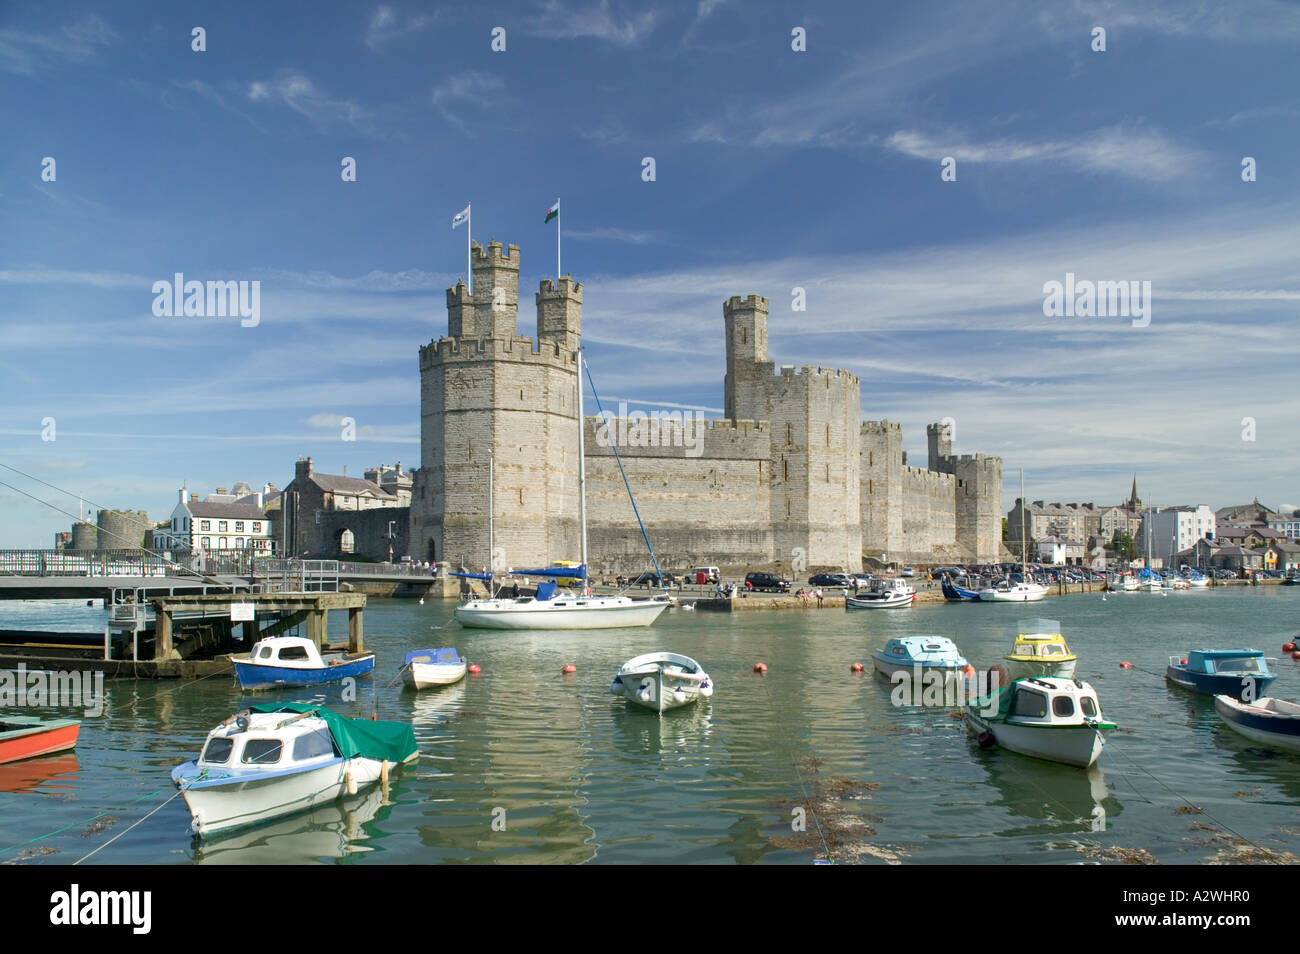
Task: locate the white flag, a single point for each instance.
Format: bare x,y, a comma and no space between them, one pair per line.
461,218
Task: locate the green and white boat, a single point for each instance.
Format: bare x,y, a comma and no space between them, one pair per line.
1059,720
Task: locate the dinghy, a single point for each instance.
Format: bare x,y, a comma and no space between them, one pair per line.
1058,720
662,681
1274,722
424,668
1240,673
28,737
958,594
270,761
294,661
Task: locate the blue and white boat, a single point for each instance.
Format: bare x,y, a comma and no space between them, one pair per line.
294,661
919,655
423,668
958,594
1274,722
1240,673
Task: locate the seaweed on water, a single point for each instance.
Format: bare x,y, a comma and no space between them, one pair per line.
1188,810
29,853
98,825
1128,856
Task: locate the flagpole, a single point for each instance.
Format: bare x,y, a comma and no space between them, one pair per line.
558,221
469,230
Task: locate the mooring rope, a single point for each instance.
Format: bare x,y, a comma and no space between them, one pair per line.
59,831
821,835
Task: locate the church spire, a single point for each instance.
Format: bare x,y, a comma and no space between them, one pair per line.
1134,502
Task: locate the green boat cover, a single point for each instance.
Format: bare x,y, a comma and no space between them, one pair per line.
390,741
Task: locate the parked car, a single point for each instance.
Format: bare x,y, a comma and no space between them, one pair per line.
908,571
650,578
767,582
837,580
863,579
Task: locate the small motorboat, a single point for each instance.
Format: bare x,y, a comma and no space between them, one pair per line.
295,661
1040,650
957,594
1195,579
28,737
662,681
1274,722
884,594
1058,720
424,668
270,761
1123,583
1240,673
920,655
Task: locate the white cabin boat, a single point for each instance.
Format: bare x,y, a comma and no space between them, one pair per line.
662,681
1008,592
1058,720
883,594
425,668
270,761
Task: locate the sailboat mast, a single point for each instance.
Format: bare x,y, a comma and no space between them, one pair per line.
492,506
1024,543
582,475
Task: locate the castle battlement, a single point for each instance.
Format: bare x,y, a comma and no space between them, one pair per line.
879,427
565,288
478,348
494,256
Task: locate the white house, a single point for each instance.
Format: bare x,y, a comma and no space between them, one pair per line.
217,525
1168,531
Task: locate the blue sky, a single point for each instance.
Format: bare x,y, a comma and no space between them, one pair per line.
775,169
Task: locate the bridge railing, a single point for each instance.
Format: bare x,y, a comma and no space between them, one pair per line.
88,563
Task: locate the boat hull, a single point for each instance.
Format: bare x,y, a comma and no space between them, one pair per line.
893,602
428,675
957,594
1215,684
1079,746
252,675
224,804
41,738
1013,595
887,667
1021,668
1255,723
614,616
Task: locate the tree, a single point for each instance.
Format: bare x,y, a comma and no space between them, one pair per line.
1122,546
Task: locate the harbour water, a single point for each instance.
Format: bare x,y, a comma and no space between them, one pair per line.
524,764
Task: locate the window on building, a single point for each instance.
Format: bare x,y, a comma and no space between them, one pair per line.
257,526
239,543
205,524
239,526
223,544
221,526
206,543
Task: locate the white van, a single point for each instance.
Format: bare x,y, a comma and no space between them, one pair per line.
711,574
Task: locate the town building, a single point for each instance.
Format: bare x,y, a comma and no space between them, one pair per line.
1168,530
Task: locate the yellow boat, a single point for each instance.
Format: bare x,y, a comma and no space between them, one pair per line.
1040,650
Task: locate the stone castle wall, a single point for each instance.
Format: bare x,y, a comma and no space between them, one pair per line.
790,478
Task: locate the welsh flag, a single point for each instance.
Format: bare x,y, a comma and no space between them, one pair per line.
554,212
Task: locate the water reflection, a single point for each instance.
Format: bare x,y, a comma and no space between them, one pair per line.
50,772
643,732
1056,799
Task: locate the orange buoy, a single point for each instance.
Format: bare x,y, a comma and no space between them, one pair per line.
569,668
969,670
475,669
760,667
1182,662
1288,647
374,717
856,667
1126,665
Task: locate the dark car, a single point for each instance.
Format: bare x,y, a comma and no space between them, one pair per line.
649,579
768,582
840,580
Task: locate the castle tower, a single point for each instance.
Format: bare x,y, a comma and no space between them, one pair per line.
745,320
559,313
491,399
939,439
496,291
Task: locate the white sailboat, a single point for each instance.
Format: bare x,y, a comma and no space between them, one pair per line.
1026,591
552,609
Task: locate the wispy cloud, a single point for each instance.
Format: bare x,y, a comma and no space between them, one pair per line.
28,53
558,20
297,92
387,24
452,95
1121,150
629,236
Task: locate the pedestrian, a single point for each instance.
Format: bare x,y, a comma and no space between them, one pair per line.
819,597
514,590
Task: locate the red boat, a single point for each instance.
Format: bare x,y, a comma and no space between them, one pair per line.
26,737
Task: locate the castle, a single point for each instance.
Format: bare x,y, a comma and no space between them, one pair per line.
791,477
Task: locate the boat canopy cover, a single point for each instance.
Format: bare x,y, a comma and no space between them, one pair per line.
545,591
444,655
390,741
568,572
1038,626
